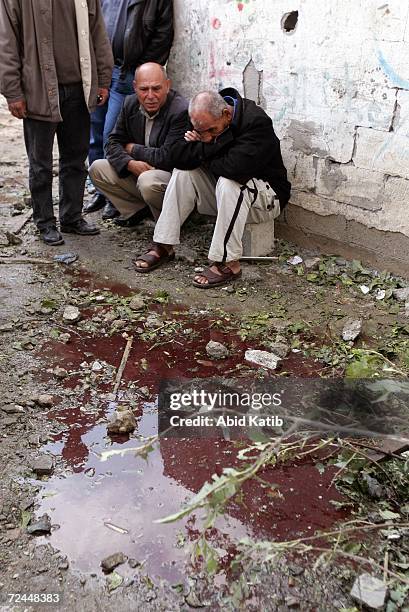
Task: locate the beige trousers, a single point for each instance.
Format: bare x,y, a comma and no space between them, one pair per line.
233,204
132,193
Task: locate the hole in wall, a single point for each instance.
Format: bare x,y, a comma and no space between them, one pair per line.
289,21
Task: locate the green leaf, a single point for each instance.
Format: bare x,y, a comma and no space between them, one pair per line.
387,515
114,580
25,518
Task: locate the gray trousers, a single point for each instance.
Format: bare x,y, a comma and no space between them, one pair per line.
132,193
233,204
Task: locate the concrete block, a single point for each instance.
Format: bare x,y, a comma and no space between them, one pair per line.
258,239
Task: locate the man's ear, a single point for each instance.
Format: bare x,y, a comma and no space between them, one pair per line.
169,83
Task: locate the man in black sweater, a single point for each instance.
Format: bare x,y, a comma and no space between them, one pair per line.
137,168
229,165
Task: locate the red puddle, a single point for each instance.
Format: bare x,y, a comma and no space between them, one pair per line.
128,493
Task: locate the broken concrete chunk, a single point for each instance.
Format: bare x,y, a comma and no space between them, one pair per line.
71,314
402,295
351,329
137,303
280,347
122,421
43,466
312,263
66,258
216,350
369,591
60,372
110,563
263,359
13,409
40,527
45,400
364,288
295,261
97,366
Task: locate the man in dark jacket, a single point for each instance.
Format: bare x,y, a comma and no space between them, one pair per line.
137,168
140,31
229,165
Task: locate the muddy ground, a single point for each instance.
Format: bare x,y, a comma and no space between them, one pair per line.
93,508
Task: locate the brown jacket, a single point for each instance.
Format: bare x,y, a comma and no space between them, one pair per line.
27,68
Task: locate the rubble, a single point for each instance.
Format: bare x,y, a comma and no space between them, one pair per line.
40,527
43,466
263,359
122,421
45,400
216,350
351,330
110,563
402,295
71,314
137,303
369,591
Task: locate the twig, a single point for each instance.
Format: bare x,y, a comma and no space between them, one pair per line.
122,365
385,566
31,260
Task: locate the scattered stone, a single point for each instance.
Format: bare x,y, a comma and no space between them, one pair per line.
40,527
364,288
312,263
144,391
402,295
8,421
43,466
63,564
122,421
133,563
351,329
199,269
90,472
65,338
110,563
292,602
13,240
216,350
4,241
263,359
60,372
97,366
369,591
375,489
45,400
380,294
66,258
153,321
34,440
137,302
295,261
280,347
71,314
13,409
341,262
193,601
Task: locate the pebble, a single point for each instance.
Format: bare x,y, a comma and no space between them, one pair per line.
122,421
71,314
369,591
41,526
43,466
110,563
351,329
402,295
45,400
263,359
217,350
60,372
137,303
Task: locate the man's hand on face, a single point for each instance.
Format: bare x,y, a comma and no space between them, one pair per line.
192,136
18,109
138,167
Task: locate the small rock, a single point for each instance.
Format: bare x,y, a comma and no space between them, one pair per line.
216,350
8,421
199,269
122,421
364,288
292,602
66,258
60,372
369,591
295,261
65,338
4,241
43,466
71,314
45,400
144,391
34,440
63,564
97,366
263,359
402,295
351,330
13,240
375,489
153,321
133,563
137,303
312,263
40,527
380,294
110,563
280,347
13,409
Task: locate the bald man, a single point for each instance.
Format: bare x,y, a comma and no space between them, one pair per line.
230,166
137,168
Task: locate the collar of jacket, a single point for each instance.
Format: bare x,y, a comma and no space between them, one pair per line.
233,93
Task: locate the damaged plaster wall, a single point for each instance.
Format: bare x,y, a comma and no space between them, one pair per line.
333,75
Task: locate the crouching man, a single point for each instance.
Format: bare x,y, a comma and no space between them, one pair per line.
229,165
137,168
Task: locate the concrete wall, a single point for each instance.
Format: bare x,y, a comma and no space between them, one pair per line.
337,88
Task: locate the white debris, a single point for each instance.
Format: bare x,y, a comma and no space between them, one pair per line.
263,359
71,314
369,591
401,294
380,294
294,261
351,329
97,367
364,288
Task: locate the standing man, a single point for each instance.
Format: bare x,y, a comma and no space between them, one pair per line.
140,31
137,168
230,166
55,66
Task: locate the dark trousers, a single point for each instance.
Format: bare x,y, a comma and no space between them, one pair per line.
73,142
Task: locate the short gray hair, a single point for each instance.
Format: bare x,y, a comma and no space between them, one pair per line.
209,102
